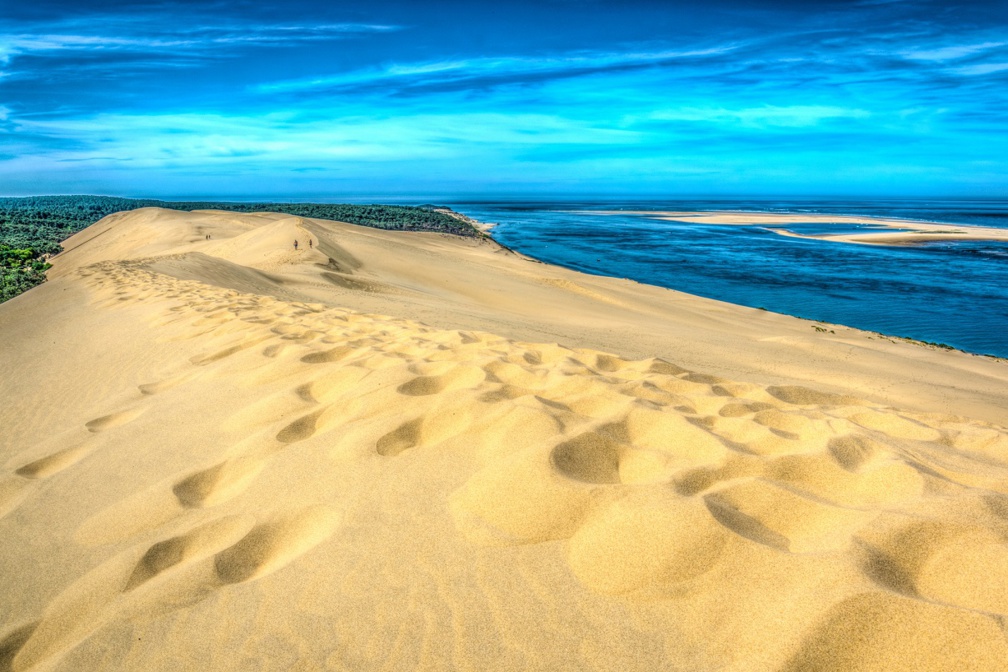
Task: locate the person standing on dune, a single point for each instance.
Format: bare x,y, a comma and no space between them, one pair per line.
295,246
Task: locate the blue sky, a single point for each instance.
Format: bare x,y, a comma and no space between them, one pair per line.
411,100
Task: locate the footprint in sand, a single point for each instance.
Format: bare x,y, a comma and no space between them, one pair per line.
514,375
459,377
180,570
268,411
664,368
274,544
647,540
302,428
520,499
328,356
55,463
405,436
272,351
203,360
12,643
217,484
427,430
295,332
114,419
610,363
16,487
13,490
878,483
306,393
771,515
742,409
591,457
803,396
689,482
200,542
747,435
853,451
954,564
169,499
646,446
163,385
883,631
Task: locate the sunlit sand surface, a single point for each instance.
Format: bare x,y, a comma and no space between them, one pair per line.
408,451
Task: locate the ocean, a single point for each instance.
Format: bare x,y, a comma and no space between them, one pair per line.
952,293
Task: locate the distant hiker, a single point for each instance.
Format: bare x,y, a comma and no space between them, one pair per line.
295,246
310,244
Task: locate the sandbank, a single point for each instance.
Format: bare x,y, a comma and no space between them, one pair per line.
909,232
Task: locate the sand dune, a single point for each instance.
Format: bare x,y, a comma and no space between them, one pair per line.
409,451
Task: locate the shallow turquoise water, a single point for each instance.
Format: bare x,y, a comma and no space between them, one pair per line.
945,292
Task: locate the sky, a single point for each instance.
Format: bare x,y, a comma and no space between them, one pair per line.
405,100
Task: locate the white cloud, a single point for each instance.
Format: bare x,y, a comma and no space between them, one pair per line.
981,69
194,139
951,53
195,38
794,116
488,67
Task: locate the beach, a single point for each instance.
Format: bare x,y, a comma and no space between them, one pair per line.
389,450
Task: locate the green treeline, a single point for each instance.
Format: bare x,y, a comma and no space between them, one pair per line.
20,270
33,227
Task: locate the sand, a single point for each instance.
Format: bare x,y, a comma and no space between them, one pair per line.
411,451
900,231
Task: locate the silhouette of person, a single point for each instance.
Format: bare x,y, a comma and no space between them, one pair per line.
295,245
310,243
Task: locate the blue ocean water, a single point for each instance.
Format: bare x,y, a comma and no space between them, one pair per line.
954,293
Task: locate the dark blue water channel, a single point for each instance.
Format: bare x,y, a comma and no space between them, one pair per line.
954,293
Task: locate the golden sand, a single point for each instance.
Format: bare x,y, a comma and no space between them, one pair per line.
409,451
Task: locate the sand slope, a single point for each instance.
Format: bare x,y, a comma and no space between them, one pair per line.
217,455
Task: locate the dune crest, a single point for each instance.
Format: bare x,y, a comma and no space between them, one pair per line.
237,463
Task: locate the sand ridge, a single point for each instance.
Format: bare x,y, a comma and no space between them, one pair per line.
281,482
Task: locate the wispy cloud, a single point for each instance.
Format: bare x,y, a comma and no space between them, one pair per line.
288,137
981,69
951,52
616,97
156,40
514,67
767,116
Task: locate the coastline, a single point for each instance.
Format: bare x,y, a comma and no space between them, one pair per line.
404,449
824,282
